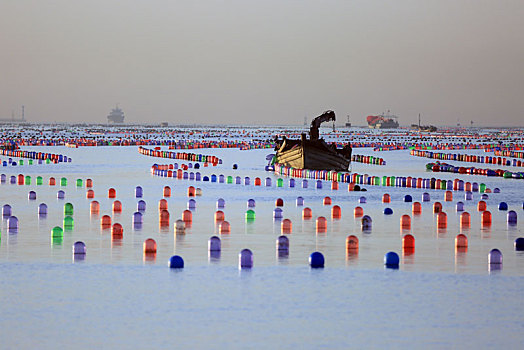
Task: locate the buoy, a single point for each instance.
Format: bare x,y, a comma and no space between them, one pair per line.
191,191
425,197
460,206
162,205
180,227
163,217
63,181
448,196
167,191
279,202
300,201
111,193
442,220
465,220
79,183
117,206
519,244
286,226
282,245
461,241
391,260
6,210
245,259
117,231
251,203
327,201
141,206
60,194
468,196
358,212
388,211
42,209
219,216
316,260
503,206
512,217
68,223
408,242
362,200
258,182
366,223
90,194
32,195
352,243
94,207
405,222
319,184
224,227
214,244
187,217
191,204
105,221
321,224
149,246
495,257
304,183
334,185
137,219
176,262
437,207
250,215
68,209
416,208
12,224
277,214
79,248
336,212
386,198
57,232
486,218
89,183
307,213
408,198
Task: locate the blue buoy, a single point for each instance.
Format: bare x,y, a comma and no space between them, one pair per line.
512,217
468,195
214,244
205,178
12,180
484,196
221,203
496,190
79,248
408,198
6,210
388,211
519,244
32,195
460,206
282,244
139,192
305,184
141,206
277,213
137,218
425,197
503,206
176,262
245,259
251,203
319,184
60,194
42,209
316,260
495,257
362,200
300,201
235,166
191,204
213,178
12,224
247,181
366,223
391,260
238,180
221,178
268,181
197,166
291,183
191,176
198,176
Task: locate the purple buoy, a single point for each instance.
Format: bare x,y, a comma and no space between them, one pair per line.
268,181
512,217
468,195
137,218
474,187
362,199
12,224
221,178
245,259
139,192
304,183
191,204
277,213
495,257
460,206
191,176
221,203
238,180
79,248
282,244
214,244
42,209
198,176
319,184
251,203
32,195
6,210
496,190
3,178
300,201
291,183
519,244
425,197
12,179
247,181
60,194
484,196
141,205
185,175
366,223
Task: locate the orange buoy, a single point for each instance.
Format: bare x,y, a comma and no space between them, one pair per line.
321,224
279,202
416,208
327,201
461,241
386,198
408,242
111,193
224,227
437,207
336,212
187,217
117,231
307,213
358,212
117,207
351,186
286,226
90,194
352,244
149,246
448,196
191,191
95,207
465,220
162,204
405,222
219,215
105,221
52,181
481,206
442,220
334,185
89,183
486,218
258,182
167,191
163,217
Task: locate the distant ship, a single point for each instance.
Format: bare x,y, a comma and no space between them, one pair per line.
382,121
116,116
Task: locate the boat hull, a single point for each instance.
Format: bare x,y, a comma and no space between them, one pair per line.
314,156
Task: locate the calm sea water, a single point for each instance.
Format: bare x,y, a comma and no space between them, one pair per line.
116,297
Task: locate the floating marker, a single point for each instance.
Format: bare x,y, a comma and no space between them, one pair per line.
63,181
191,204
32,195
167,191
79,248
137,219
68,223
300,201
245,259
277,213
486,218
468,196
279,202
176,262
57,232
442,220
180,227
291,183
214,244
219,216
465,220
416,208
68,209
162,204
503,206
149,246
388,211
111,193
250,215
12,224
117,207
304,183
512,217
425,197
251,203
221,203
319,184
282,244
460,206
141,206
268,181
90,194
358,212
191,192
362,200
327,201
307,213
366,223
391,260
316,260
484,196
405,222
117,231
52,181
386,198
60,194
408,198
79,183
224,227
94,207
163,217
352,243
448,196
42,209
437,207
495,257
336,212
461,241
334,185
408,244
286,226
89,183
321,224
519,244
105,221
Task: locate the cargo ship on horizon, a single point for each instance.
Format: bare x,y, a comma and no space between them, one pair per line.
382,121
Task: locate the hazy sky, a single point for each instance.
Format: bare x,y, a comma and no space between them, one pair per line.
266,61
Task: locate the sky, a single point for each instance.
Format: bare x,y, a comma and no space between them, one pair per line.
263,62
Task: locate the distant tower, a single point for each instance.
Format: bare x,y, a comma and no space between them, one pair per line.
23,113
116,116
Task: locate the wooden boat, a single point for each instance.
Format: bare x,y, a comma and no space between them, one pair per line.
313,153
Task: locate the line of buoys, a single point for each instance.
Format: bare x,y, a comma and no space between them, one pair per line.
468,158
54,158
367,159
443,167
192,157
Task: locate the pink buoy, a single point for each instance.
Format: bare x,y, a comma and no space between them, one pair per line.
224,227
286,226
